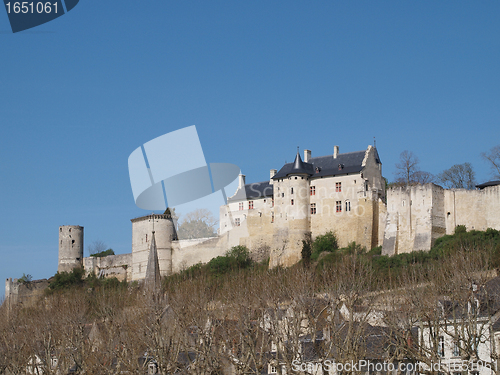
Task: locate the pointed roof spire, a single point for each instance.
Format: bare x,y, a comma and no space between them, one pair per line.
298,165
152,280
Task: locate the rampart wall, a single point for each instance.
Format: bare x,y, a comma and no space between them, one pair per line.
418,215
24,292
119,266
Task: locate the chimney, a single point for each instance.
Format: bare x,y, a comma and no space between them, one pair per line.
241,181
335,151
271,175
307,155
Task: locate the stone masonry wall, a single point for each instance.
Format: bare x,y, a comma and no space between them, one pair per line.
418,215
119,266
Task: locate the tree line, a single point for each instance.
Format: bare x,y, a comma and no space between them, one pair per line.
458,176
243,319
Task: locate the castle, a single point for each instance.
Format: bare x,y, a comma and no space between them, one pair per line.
344,193
341,192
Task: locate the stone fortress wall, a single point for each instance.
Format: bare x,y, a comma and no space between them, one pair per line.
23,292
173,255
412,220
274,224
418,215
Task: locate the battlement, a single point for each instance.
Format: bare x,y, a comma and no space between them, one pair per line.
152,217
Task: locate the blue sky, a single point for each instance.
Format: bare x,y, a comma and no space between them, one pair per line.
257,78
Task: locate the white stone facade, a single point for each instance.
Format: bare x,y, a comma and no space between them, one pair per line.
418,215
349,203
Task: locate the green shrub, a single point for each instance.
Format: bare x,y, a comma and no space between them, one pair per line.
354,248
460,229
241,255
375,251
306,250
65,280
25,279
492,233
236,258
104,253
326,242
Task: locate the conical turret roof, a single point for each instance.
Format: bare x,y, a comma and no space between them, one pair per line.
298,166
153,280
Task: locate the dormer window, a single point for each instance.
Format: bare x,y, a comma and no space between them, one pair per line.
318,169
341,166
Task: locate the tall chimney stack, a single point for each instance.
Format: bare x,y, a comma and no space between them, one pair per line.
272,172
307,155
335,151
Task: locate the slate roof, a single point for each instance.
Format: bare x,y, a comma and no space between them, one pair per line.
253,191
152,280
488,296
299,167
489,183
349,162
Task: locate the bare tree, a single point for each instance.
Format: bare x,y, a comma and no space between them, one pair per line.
15,342
493,157
452,307
352,308
289,296
199,223
96,247
408,171
196,310
459,176
244,335
422,177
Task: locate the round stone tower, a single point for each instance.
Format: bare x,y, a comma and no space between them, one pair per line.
142,231
70,248
292,213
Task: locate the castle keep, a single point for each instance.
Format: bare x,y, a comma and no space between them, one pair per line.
341,192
